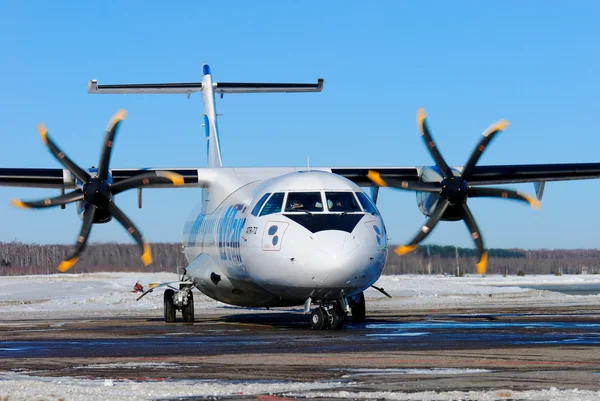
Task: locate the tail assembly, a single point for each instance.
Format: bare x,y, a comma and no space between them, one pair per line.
208,89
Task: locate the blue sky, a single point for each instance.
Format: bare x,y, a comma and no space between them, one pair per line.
469,64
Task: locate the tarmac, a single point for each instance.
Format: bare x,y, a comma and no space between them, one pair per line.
463,349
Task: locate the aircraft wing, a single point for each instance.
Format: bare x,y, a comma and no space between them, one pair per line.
204,177
61,178
483,175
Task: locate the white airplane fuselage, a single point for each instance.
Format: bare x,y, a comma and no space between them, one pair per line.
273,255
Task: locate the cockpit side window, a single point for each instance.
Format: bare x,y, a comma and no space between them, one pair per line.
273,205
341,202
304,202
367,204
259,204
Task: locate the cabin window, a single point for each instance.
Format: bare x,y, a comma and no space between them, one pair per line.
367,204
260,203
304,202
341,202
273,205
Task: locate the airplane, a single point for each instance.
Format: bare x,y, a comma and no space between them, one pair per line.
280,236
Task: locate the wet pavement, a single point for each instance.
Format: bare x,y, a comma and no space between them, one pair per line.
392,351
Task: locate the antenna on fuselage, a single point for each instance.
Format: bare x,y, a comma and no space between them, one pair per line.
308,163
208,89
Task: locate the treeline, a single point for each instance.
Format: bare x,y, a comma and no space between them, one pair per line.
435,259
19,259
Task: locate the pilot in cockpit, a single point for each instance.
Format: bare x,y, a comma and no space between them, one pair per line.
338,206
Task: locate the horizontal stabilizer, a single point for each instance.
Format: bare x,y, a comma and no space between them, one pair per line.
188,88
241,87
176,88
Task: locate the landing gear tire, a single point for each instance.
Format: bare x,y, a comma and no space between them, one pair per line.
338,316
319,319
169,306
188,310
359,309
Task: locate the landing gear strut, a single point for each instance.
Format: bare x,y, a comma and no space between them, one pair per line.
182,300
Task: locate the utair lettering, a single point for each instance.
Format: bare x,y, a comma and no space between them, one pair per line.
230,232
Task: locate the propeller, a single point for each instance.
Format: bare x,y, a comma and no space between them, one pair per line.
97,193
453,190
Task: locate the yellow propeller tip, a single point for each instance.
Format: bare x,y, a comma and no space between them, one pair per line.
421,115
153,285
119,116
376,178
482,264
176,179
18,203
147,255
404,249
501,125
43,132
67,264
534,203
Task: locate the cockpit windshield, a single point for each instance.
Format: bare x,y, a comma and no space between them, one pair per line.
367,204
341,202
304,202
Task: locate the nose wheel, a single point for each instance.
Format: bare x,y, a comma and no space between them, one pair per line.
319,319
326,317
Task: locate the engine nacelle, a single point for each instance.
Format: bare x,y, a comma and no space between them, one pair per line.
427,201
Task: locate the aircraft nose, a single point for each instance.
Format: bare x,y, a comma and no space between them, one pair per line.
295,262
346,260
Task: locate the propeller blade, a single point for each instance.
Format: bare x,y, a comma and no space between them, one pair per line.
488,135
61,157
154,177
111,131
480,192
50,202
433,150
476,235
131,229
86,227
426,229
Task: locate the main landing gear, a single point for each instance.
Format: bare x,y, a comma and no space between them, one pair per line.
179,300
332,314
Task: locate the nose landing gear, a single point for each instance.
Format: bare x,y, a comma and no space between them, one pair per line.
329,315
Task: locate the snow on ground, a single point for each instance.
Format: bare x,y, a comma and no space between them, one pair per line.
552,394
15,386
109,294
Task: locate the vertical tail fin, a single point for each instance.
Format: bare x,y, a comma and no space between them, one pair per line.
213,148
208,89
